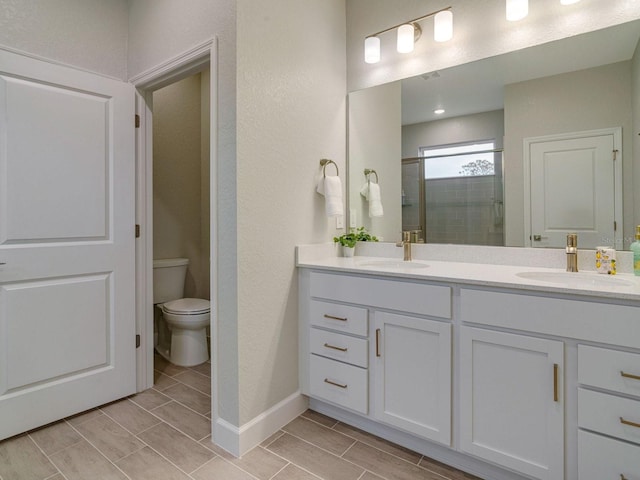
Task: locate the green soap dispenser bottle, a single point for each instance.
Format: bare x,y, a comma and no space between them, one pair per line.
635,248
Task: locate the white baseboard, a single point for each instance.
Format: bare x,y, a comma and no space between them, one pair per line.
239,440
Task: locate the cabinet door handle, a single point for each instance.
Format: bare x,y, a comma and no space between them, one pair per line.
331,317
627,422
326,380
628,375
336,348
377,342
555,382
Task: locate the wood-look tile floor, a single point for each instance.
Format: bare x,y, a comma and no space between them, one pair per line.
164,434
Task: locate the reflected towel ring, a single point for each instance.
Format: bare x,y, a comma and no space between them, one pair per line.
368,172
324,162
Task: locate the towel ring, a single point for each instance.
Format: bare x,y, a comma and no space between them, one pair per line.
368,171
324,162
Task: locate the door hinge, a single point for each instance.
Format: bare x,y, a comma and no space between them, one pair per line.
615,155
137,121
137,231
137,341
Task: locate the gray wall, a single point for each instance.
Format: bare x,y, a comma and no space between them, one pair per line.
572,102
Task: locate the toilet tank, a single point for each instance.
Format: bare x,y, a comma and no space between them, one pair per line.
168,279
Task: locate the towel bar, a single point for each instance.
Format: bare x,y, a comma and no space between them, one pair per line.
368,171
324,162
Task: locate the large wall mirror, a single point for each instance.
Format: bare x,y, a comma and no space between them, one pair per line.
531,144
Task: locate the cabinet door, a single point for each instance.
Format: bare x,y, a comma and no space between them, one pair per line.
412,386
511,401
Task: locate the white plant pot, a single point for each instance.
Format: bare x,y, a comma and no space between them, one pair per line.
348,251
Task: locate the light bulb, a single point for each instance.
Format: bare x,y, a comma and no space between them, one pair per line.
568,2
517,9
443,26
372,50
405,38
439,111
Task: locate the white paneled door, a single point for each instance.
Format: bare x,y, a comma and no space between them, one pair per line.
575,187
67,166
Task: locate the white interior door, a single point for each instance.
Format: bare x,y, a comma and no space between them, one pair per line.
573,189
67,318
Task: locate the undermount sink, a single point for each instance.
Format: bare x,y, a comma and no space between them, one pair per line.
576,279
399,264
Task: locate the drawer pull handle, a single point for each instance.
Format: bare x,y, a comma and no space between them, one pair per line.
331,317
340,349
326,380
555,382
377,342
628,375
627,422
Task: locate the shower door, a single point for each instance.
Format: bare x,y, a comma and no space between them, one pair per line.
67,304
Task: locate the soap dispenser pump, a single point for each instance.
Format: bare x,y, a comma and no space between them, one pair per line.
635,248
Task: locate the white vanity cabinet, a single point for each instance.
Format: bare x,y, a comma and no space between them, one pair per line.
412,386
381,348
505,382
511,402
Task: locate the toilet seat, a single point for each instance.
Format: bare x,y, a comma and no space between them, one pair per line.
187,306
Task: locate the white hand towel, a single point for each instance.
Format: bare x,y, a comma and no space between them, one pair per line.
364,191
375,201
331,188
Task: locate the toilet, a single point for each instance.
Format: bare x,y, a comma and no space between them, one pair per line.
180,323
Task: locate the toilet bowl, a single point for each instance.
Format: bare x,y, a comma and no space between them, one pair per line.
180,323
187,319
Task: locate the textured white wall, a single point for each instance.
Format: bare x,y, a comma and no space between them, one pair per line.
585,100
480,31
291,113
89,34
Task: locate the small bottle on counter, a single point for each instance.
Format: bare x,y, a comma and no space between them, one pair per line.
635,248
606,260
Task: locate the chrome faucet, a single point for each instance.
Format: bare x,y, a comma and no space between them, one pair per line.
572,252
406,243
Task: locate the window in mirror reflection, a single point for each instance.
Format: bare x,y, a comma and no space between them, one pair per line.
458,160
453,194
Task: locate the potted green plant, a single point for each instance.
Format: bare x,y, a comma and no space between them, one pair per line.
348,240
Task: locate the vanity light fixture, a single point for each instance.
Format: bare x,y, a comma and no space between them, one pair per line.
517,9
409,32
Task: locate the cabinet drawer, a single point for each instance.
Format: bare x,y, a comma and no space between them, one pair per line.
604,458
343,318
614,416
581,320
340,347
339,383
609,369
409,297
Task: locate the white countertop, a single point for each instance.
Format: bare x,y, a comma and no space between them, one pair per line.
623,286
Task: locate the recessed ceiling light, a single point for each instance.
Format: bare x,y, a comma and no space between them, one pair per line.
439,111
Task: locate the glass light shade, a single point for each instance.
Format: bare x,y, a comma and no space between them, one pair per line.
372,50
405,38
568,2
443,26
517,9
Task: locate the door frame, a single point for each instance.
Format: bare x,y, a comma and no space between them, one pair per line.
181,66
617,174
